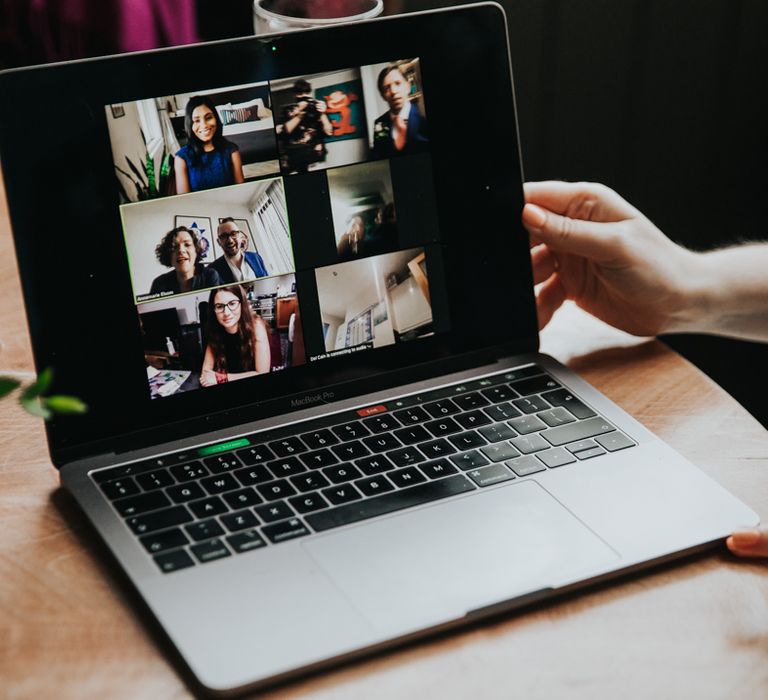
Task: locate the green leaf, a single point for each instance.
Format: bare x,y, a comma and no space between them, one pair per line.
7,385
40,386
65,404
35,407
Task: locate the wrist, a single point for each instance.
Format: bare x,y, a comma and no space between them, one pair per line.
693,304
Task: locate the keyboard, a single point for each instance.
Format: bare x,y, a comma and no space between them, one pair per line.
224,499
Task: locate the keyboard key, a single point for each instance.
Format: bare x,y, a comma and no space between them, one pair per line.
374,465
253,475
287,447
319,458
389,502
133,505
473,419
208,506
167,539
276,489
344,472
412,434
531,404
527,424
407,476
219,484
382,423
351,431
209,551
535,385
588,454
438,468
173,561
279,510
350,450
467,441
382,443
577,431
119,488
503,411
155,480
445,426
469,460
185,492
615,441
436,448
562,397
159,520
222,463
556,457
243,498
204,530
530,443
406,456
374,485
319,438
412,415
440,409
255,454
556,416
246,541
241,520
188,472
286,530
497,432
310,481
502,392
342,494
287,466
499,451
470,401
493,474
580,446
523,466
308,502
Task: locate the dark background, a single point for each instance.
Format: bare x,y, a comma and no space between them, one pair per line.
663,100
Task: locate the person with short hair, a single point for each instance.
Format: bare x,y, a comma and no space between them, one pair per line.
182,249
238,264
402,129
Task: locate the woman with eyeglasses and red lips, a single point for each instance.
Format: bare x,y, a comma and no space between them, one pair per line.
208,160
238,341
181,249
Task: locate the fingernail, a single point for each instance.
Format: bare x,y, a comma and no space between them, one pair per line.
534,215
745,538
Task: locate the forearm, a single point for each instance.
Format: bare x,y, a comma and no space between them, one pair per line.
728,293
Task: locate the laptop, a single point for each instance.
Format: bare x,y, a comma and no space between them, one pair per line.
287,274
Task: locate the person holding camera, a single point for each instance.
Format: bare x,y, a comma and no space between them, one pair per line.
302,133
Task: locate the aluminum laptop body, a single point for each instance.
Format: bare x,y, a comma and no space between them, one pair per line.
365,181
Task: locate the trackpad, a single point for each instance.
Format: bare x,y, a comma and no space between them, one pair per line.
438,563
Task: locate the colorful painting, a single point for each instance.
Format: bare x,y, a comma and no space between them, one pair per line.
345,109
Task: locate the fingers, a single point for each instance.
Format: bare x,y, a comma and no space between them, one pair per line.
544,264
580,200
749,542
598,241
550,298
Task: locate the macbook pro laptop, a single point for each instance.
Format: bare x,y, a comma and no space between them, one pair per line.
288,276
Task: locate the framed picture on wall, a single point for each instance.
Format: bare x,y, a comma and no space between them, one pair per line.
201,225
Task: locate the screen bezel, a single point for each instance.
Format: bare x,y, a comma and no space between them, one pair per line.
461,48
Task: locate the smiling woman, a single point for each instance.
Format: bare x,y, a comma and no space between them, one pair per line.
209,159
181,249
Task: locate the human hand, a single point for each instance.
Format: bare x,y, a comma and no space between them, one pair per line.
749,542
208,377
591,246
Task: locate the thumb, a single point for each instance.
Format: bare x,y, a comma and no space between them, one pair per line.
591,239
749,542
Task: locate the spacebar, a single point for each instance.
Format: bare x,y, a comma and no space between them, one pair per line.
389,502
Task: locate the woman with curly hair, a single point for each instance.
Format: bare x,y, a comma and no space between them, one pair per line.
238,340
208,160
181,249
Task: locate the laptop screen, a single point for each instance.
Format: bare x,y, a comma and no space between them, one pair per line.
210,234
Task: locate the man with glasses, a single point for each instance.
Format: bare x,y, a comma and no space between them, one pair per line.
237,264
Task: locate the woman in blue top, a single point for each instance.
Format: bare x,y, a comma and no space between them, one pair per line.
208,160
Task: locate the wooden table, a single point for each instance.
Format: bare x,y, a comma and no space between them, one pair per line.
697,629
